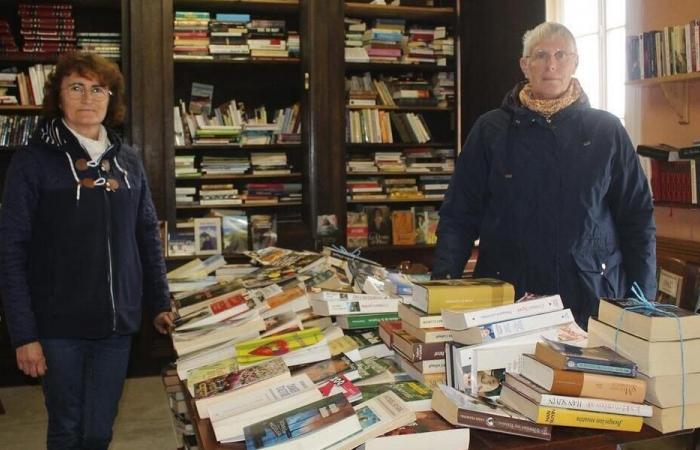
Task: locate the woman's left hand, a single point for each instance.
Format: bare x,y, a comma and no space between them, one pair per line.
164,322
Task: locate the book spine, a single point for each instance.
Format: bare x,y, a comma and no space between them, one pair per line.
503,424
514,311
355,307
524,325
367,320
588,419
601,367
595,405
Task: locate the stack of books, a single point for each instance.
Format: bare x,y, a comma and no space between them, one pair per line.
382,42
47,28
663,346
219,194
444,88
269,163
228,35
268,38
489,341
590,387
271,193
190,36
225,165
106,44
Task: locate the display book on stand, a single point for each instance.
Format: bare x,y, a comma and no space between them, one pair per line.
267,338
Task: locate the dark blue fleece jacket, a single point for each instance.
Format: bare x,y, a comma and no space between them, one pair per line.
79,242
560,206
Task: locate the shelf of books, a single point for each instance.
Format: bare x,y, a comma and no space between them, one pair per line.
401,120
237,122
32,36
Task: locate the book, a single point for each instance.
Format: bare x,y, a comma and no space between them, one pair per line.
212,370
364,320
229,418
379,228
568,417
487,333
231,305
543,397
582,384
429,335
599,359
377,416
353,307
433,296
339,384
357,229
461,320
403,228
224,387
272,346
322,370
319,424
423,433
667,391
649,324
418,319
416,395
653,358
484,414
416,350
201,98
668,420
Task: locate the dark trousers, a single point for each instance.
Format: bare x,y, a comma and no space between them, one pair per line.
82,387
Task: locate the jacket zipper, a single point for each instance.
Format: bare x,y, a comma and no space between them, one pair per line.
109,279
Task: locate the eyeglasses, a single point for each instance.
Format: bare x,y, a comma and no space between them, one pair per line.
76,91
560,56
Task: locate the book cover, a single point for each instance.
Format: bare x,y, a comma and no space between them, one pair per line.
428,429
301,422
379,218
263,231
433,296
485,414
357,229
416,394
403,228
234,228
239,379
200,98
599,359
323,370
261,349
339,384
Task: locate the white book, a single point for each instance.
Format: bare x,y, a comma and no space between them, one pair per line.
351,307
230,417
460,319
381,414
510,328
224,308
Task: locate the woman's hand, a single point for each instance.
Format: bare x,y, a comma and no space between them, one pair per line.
164,322
30,359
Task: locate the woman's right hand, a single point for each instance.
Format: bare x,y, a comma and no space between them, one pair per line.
30,359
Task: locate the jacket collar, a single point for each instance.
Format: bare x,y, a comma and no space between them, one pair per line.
511,104
53,132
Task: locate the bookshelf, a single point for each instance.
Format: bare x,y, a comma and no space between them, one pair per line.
439,117
275,83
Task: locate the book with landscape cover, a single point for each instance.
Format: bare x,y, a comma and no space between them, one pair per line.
324,422
433,296
600,359
485,414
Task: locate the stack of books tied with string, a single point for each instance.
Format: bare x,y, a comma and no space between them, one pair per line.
591,387
490,341
663,340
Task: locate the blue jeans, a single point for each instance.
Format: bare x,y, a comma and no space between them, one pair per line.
82,387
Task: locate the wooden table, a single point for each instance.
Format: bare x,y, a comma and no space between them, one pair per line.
563,438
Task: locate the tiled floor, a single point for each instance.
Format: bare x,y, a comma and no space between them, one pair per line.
143,422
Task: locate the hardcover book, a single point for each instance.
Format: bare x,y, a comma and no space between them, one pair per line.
433,296
485,414
584,359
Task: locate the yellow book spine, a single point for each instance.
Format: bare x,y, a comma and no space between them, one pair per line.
437,303
588,419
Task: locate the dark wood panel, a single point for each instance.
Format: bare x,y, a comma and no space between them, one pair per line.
491,46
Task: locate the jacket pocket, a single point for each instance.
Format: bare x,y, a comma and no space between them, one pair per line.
601,275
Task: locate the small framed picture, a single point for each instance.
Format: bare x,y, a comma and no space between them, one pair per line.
207,235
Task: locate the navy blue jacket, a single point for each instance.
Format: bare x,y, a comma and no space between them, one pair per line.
74,252
560,206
